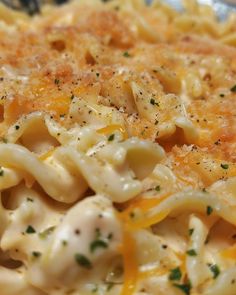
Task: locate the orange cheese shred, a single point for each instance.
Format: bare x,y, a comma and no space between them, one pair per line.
130,264
46,155
182,258
143,205
153,272
131,271
229,253
147,222
111,128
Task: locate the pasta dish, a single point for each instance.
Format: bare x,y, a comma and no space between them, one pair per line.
117,150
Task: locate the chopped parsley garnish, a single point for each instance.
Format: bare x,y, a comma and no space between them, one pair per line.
233,89
157,188
3,139
175,274
95,289
64,242
97,244
153,102
30,200
83,261
1,171
30,230
56,81
110,236
97,233
36,254
46,232
110,286
111,137
185,288
190,231
214,268
126,54
222,95
17,127
224,166
209,210
191,252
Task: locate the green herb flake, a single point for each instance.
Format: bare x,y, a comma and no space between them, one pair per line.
95,289
97,244
214,268
190,231
110,236
224,166
185,288
17,127
153,102
191,252
157,188
111,137
222,95
30,230
97,74
209,210
233,89
97,233
83,261
64,243
30,200
110,286
1,171
126,54
36,254
175,274
4,140
46,232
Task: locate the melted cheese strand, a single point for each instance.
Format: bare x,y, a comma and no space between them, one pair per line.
111,128
130,264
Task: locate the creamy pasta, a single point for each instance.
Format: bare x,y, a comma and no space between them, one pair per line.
117,150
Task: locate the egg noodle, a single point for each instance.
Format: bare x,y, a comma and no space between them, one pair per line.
118,150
